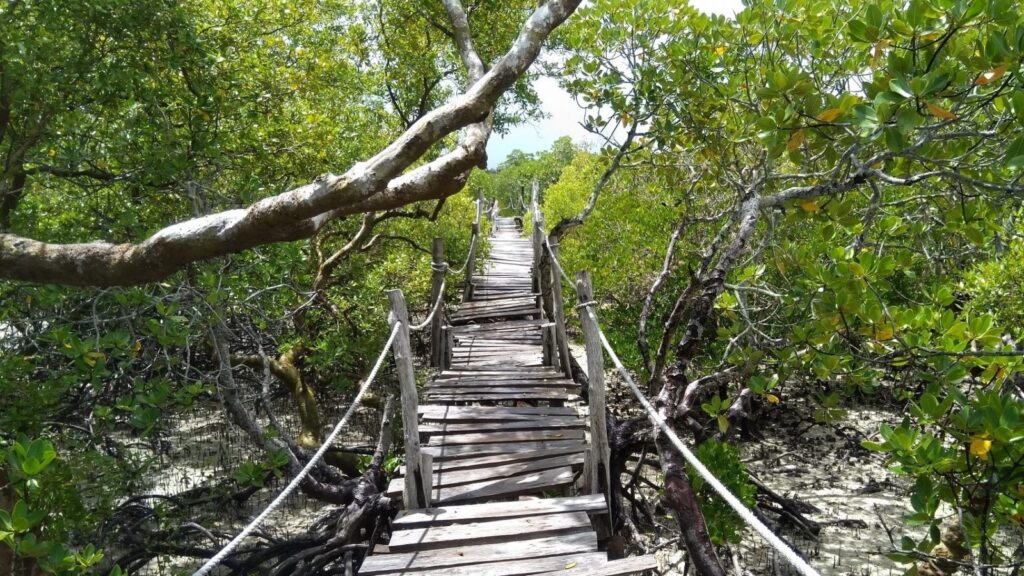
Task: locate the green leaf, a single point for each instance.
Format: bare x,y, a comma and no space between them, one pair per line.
901,87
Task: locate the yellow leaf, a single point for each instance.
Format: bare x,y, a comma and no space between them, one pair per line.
883,333
771,398
830,114
91,358
570,565
809,206
877,55
990,77
720,50
795,140
980,446
136,348
51,152
723,423
940,112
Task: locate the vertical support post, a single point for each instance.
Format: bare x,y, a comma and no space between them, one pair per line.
596,470
449,346
561,338
437,281
547,335
538,236
416,494
467,292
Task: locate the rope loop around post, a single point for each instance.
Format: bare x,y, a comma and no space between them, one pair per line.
798,563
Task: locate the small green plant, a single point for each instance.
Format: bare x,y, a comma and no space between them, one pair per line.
723,461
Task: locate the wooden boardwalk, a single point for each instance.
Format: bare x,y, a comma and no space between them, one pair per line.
506,446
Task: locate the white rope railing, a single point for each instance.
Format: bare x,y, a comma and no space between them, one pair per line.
237,540
472,247
745,513
433,309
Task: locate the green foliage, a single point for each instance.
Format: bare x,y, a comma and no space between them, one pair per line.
510,183
995,288
724,525
846,291
30,466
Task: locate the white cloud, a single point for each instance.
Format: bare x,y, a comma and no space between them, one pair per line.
563,119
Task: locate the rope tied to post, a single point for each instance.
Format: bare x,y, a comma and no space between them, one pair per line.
317,456
723,492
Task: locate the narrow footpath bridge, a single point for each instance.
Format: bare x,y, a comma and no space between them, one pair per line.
503,474
500,489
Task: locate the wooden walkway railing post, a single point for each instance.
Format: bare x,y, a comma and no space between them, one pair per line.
543,282
417,482
439,267
467,292
537,237
596,468
558,304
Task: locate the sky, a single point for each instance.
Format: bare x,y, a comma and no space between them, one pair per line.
563,116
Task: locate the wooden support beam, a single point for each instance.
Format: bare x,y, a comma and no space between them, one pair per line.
561,338
437,281
417,487
467,291
596,471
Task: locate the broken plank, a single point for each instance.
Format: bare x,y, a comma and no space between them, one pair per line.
472,476
529,483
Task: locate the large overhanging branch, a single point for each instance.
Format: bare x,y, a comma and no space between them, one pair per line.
376,184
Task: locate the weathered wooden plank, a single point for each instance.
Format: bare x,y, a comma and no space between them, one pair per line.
474,450
478,475
519,372
448,385
548,422
502,459
499,326
469,555
496,413
624,567
517,395
433,537
503,436
529,483
497,510
516,567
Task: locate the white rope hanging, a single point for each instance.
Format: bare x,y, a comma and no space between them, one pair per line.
237,540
